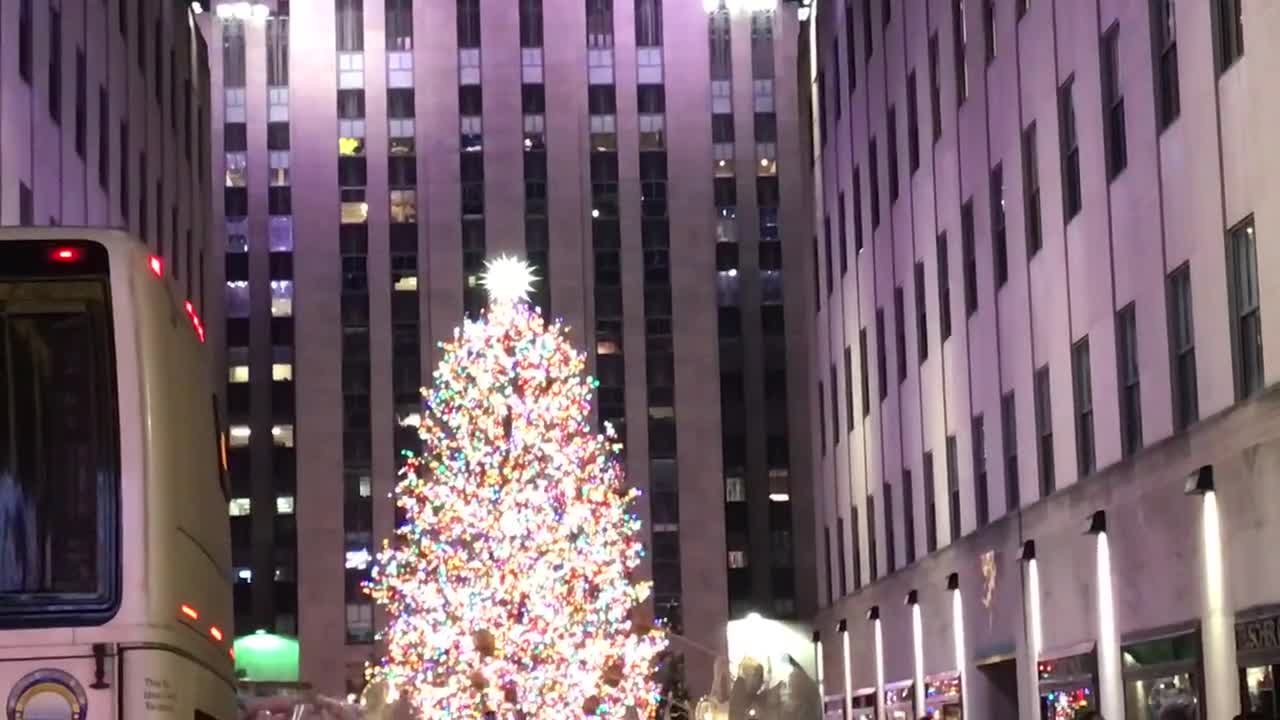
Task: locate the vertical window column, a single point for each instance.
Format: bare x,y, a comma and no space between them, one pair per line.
534,108
471,162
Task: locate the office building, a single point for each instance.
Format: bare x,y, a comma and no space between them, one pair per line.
1046,445
643,156
104,122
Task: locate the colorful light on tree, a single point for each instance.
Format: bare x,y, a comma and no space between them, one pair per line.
510,590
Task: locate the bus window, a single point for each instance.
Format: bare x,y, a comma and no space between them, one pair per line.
58,441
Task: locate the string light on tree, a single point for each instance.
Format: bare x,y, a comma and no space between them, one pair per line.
510,590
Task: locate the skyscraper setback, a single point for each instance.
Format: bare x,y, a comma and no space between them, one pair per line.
644,157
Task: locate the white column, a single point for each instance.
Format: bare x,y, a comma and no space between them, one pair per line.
1110,682
879,669
1222,697
848,673
957,622
917,647
1029,698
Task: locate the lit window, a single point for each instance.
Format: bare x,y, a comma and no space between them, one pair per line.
737,559
239,507
282,372
238,374
607,347
735,489
280,233
279,160
404,206
284,504
358,559
237,299
355,212
400,146
239,435
351,145
281,298
366,487
236,162
244,575
282,435
350,70
408,283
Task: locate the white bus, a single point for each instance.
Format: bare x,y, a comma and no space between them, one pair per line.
115,586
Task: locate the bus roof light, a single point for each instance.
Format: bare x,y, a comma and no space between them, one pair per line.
157,266
189,611
215,633
66,255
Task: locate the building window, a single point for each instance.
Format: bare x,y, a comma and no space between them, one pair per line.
104,137
55,66
1246,309
735,489
822,418
238,436
960,40
848,386
1130,397
868,30
980,491
237,374
900,332
874,180
1164,28
826,240
1082,389
989,28
930,506
891,152
284,504
1069,146
843,231
969,257
233,53
922,317
944,288
935,86
831,585
873,553
26,205
913,124
24,40
82,102
851,57
350,25
857,209
908,517
1044,432
1113,103
1182,346
840,558
737,559
1228,20
281,298
817,279
404,206
866,377
240,507
953,486
882,365
835,409
530,23
890,533
1031,188
1009,443
999,242
835,75
855,542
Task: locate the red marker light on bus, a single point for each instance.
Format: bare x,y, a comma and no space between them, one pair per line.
232,653
189,611
157,266
65,254
215,633
195,320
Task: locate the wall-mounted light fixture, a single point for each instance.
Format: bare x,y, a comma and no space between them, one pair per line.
842,626
873,613
953,581
1097,524
1028,552
1200,482
913,598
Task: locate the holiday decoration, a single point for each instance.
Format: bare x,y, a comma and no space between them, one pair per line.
509,591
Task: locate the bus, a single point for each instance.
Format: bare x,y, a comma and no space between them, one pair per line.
115,578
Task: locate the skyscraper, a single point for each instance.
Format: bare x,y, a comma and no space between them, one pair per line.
1044,291
645,157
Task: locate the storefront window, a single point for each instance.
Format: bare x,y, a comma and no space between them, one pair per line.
942,697
1067,687
1160,679
899,701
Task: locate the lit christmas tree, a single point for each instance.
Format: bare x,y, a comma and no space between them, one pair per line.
510,593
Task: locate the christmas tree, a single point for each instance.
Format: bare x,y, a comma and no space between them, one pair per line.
510,592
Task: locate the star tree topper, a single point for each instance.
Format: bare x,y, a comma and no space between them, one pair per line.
508,280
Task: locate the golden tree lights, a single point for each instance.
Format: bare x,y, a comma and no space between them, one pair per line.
510,590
